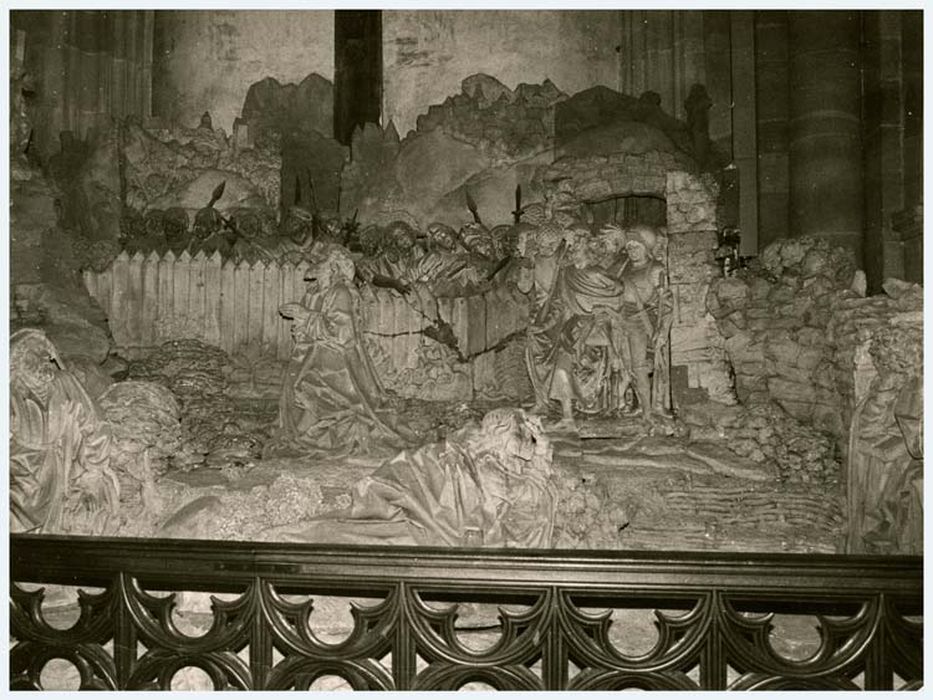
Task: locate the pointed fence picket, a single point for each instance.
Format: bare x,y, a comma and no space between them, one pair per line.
150,299
213,299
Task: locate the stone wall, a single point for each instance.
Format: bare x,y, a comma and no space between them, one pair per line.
775,322
798,327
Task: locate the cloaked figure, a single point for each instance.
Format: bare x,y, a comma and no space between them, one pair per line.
644,328
569,354
60,475
487,485
332,400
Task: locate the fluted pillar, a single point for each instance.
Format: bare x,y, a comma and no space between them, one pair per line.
909,222
773,112
662,51
89,66
825,138
717,58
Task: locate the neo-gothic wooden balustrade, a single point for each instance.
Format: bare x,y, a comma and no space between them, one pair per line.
867,609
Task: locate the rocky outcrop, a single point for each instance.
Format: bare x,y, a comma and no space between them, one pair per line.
272,111
68,316
484,141
504,124
600,106
766,434
180,167
797,328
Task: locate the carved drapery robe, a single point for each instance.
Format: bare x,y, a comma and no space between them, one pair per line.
57,448
332,400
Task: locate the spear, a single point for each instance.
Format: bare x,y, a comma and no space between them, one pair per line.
518,204
471,205
313,193
217,194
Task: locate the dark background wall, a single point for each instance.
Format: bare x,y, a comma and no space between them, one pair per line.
206,60
427,54
821,111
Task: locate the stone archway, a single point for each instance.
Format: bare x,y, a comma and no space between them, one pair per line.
699,367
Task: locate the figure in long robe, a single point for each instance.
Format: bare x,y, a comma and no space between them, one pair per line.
332,400
60,476
490,485
576,310
646,316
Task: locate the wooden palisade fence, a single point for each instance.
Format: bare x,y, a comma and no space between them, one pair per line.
150,299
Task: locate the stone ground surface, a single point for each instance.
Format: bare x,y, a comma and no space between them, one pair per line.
618,489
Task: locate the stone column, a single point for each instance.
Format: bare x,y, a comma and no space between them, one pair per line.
744,126
89,66
772,110
825,138
662,51
909,222
718,70
883,131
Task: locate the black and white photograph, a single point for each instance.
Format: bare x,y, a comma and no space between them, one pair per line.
404,348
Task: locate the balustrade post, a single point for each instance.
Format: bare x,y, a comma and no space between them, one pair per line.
713,674
260,640
124,633
403,650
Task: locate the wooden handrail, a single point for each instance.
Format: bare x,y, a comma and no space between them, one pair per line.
878,641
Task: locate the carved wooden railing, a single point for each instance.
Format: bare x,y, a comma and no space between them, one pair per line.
867,610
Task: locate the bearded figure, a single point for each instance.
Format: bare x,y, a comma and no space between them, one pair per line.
447,269
294,238
576,303
298,227
175,223
490,485
60,475
332,400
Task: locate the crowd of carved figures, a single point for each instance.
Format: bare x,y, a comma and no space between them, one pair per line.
598,343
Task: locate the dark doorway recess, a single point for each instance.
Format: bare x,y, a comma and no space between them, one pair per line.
629,211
